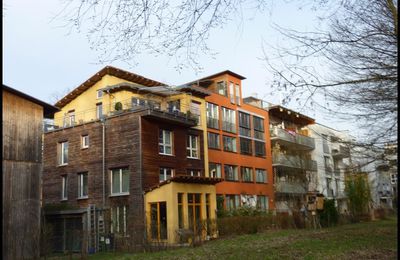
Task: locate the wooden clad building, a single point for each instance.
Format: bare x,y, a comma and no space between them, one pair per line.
22,169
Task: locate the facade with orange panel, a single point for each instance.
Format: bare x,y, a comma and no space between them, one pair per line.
238,144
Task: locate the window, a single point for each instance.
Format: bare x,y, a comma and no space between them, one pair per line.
228,120
229,144
221,88
180,210
69,120
64,188
84,141
237,89
231,93
192,146
99,110
82,185
174,106
120,181
194,172
213,140
63,153
194,211
99,93
195,111
212,116
118,220
208,213
259,148
261,175
325,146
165,142
327,164
215,170
232,202
244,124
158,220
262,203
231,173
247,174
245,146
258,125
166,173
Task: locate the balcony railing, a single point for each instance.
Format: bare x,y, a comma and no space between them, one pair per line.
298,139
290,187
212,123
228,126
293,161
244,131
149,108
341,152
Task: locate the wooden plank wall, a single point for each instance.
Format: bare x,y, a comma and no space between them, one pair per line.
22,141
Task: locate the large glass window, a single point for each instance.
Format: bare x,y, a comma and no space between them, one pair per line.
231,173
231,92
259,148
237,94
213,140
262,203
245,146
158,220
195,110
118,220
228,120
192,148
258,125
194,211
222,89
261,175
244,124
229,144
166,173
120,181
99,110
174,106
232,202
82,185
63,153
247,174
165,142
212,116
215,170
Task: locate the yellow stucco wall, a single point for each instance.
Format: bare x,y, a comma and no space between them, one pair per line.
169,194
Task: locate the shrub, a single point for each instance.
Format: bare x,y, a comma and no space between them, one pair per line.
329,216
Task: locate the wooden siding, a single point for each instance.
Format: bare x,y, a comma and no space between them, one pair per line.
22,144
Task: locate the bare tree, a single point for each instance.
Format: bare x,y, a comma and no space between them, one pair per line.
348,69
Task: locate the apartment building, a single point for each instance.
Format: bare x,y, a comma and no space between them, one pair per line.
332,154
126,161
238,144
291,145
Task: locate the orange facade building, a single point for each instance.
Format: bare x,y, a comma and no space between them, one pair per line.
238,144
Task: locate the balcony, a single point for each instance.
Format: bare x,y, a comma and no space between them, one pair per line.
293,161
300,142
290,187
341,152
175,117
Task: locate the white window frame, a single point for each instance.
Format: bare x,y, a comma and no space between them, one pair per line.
80,185
163,144
84,141
99,93
229,115
192,173
64,187
165,169
120,193
99,110
62,153
191,149
115,218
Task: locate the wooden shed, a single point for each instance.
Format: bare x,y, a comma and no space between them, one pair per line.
22,169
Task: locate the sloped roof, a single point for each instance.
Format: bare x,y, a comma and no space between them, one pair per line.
108,70
206,81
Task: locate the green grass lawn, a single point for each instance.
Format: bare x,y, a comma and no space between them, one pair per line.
369,240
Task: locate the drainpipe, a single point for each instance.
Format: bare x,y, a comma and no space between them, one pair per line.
103,158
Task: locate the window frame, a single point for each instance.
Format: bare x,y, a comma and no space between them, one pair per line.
232,96
237,94
165,169
250,146
234,172
97,94
265,178
226,137
218,140
63,157
165,145
222,87
84,144
217,166
228,117
64,187
264,150
190,149
120,193
80,185
212,115
243,172
99,110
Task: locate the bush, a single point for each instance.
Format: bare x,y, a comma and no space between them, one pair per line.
329,216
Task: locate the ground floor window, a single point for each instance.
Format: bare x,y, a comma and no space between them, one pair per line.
158,220
232,202
262,203
119,220
194,211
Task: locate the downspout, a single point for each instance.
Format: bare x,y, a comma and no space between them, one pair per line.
103,161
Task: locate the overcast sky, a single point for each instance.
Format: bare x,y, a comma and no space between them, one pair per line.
41,58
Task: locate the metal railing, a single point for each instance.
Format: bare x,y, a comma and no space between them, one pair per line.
278,133
293,161
244,131
212,123
228,126
341,152
290,187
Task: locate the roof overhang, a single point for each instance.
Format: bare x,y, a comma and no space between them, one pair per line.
290,115
189,180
